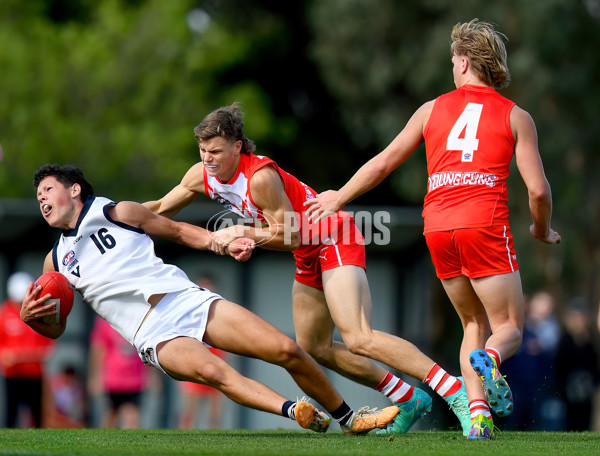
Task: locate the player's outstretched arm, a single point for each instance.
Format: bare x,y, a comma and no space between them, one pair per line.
375,170
180,196
34,308
139,216
530,167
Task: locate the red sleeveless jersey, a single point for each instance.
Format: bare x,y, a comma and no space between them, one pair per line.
235,196
469,146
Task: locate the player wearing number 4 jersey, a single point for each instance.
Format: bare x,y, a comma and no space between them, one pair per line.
107,255
471,135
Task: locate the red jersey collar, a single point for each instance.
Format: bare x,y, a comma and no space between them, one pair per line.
478,88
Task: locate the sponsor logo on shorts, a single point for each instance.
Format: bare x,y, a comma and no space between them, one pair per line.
323,254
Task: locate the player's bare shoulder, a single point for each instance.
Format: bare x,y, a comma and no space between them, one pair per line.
423,113
48,262
425,108
521,123
193,180
267,187
265,178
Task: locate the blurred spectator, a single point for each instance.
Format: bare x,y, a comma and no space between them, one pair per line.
197,397
532,369
68,408
22,355
116,370
542,320
578,373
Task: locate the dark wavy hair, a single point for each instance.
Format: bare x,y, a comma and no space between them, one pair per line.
66,175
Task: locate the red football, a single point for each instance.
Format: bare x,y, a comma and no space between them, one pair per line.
56,285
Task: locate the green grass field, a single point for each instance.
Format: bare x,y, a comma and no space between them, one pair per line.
90,442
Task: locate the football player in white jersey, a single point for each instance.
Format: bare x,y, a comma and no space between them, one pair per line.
169,323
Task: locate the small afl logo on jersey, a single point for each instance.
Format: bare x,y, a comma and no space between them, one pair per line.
68,258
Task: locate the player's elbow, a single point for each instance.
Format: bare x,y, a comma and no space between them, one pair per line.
290,240
154,206
379,168
295,240
540,194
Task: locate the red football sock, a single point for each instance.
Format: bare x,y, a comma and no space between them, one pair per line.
395,388
479,407
493,353
442,382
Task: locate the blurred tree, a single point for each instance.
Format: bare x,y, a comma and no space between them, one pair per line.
382,59
309,136
116,87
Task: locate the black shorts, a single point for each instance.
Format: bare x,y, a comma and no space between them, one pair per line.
119,399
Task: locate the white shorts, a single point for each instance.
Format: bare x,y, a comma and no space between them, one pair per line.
182,313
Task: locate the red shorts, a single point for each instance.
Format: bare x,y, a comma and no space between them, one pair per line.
343,245
473,252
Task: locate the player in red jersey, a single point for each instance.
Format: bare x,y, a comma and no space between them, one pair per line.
471,135
330,288
22,358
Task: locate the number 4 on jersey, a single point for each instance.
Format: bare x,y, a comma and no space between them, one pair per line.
467,122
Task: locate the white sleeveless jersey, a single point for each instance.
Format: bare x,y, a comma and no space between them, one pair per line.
114,267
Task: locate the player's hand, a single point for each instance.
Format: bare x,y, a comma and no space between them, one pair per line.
34,308
324,205
241,249
221,239
551,238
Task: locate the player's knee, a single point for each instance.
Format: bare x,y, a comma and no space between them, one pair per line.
518,335
358,343
322,354
212,375
510,330
318,352
288,351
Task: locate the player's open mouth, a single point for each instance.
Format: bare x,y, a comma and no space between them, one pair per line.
46,209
